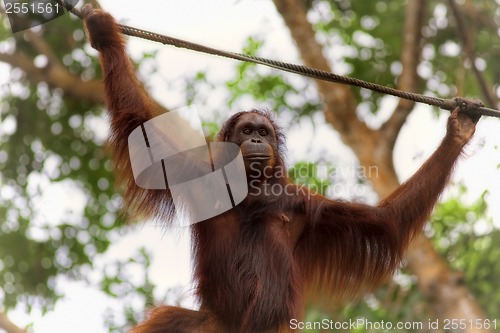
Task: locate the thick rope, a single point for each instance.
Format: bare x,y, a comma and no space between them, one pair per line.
472,107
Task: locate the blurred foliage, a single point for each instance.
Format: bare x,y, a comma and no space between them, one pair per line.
371,49
469,241
55,142
118,283
272,87
306,174
52,145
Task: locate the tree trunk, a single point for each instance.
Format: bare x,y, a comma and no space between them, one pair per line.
8,325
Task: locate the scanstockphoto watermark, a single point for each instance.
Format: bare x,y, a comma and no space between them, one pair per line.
26,14
358,324
355,325
338,180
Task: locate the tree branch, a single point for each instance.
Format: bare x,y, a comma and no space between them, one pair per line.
339,101
8,325
57,76
468,46
42,47
410,57
443,288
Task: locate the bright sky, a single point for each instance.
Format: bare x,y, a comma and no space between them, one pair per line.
226,24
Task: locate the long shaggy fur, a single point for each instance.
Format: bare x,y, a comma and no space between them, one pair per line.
253,263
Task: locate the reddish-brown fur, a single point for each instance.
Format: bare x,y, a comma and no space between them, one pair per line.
253,263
